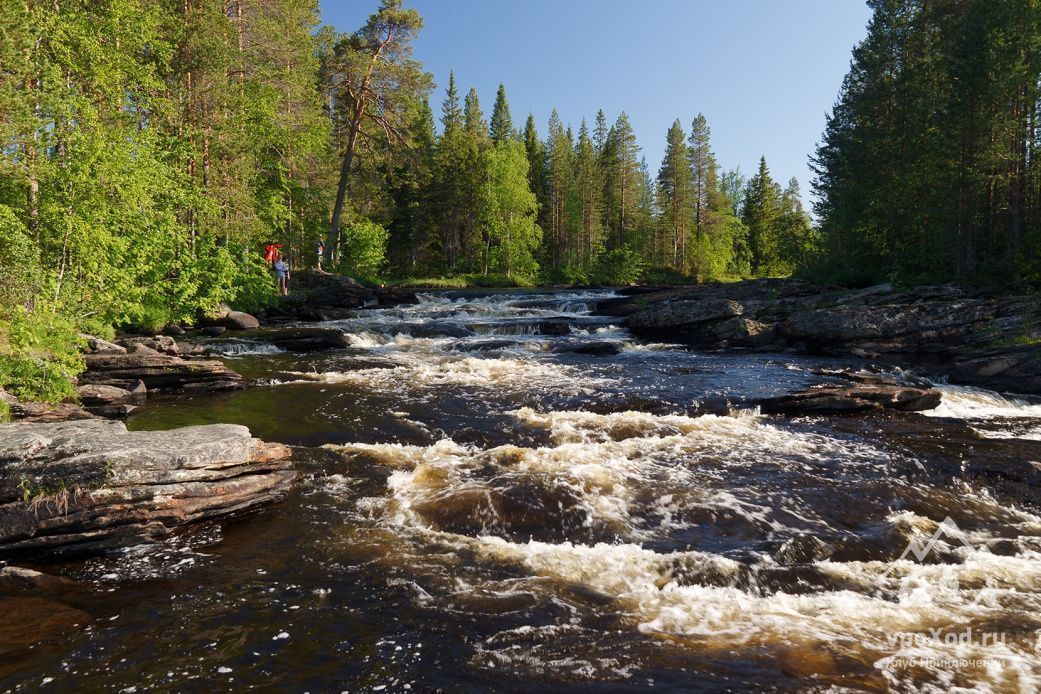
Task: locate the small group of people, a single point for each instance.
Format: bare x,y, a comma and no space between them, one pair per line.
276,260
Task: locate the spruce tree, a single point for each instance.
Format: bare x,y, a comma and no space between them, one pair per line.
676,200
502,124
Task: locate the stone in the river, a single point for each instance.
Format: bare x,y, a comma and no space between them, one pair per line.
89,485
240,320
157,371
852,399
19,578
214,330
684,315
301,339
603,348
94,394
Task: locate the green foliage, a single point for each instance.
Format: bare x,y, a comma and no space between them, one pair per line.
253,286
927,169
618,267
364,249
20,272
459,282
508,212
39,355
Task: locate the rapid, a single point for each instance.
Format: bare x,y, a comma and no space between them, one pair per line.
506,491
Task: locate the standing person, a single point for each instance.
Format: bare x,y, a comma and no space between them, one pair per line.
321,253
282,275
271,252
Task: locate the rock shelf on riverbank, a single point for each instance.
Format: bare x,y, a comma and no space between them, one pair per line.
972,338
90,485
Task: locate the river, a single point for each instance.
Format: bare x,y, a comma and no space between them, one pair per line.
504,491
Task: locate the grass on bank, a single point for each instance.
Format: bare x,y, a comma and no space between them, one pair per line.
459,282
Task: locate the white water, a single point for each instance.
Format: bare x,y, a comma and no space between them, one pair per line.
630,504
1009,417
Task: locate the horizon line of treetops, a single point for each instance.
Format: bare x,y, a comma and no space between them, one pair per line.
485,197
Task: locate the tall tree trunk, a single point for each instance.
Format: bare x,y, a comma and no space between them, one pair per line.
333,241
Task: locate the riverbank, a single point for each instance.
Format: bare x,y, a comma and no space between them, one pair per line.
969,337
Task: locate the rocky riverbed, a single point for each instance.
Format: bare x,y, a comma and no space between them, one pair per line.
972,338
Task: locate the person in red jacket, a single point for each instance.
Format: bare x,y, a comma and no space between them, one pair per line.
271,252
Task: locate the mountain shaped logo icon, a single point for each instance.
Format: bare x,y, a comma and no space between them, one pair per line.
947,529
946,533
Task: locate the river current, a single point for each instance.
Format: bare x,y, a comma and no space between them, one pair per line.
507,492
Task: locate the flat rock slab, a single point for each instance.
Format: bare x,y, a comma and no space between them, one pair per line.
157,371
89,485
852,400
301,339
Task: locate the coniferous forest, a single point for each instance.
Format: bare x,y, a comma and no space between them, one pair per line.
151,148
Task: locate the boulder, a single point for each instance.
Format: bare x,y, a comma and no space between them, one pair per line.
95,394
744,332
95,345
600,348
173,330
16,578
91,485
239,320
214,330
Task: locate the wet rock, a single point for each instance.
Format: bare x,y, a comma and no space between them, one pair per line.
744,332
484,345
161,372
684,315
191,349
14,578
319,296
214,330
301,339
852,400
603,348
174,330
91,485
971,337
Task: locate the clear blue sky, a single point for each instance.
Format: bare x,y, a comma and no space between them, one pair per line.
764,72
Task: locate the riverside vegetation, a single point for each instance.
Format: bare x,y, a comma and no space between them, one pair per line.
150,148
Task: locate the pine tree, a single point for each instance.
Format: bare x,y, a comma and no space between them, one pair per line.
560,154
377,78
589,188
760,214
502,123
538,170
450,189
676,197
622,179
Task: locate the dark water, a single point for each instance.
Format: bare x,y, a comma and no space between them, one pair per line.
508,493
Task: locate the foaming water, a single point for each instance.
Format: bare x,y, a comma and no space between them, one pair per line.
505,490
997,416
